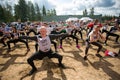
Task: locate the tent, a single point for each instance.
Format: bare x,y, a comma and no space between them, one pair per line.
72,19
85,19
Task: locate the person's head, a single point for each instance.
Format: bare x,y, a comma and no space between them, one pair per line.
14,29
43,31
3,24
96,21
96,28
45,24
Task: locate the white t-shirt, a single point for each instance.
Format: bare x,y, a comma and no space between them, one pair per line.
77,25
44,44
95,37
105,27
69,30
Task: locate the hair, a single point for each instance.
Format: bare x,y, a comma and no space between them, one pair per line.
42,27
15,29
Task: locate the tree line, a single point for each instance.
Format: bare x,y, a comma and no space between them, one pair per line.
103,18
24,11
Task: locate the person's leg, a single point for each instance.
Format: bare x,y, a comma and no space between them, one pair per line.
80,32
61,39
20,40
2,41
28,33
75,32
11,41
76,40
107,35
112,34
86,49
56,55
115,35
38,55
55,45
99,48
36,46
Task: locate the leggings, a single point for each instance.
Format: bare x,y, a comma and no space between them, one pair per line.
2,40
15,41
79,33
93,43
68,36
40,55
110,34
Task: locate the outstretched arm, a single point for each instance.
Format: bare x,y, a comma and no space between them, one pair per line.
56,36
28,37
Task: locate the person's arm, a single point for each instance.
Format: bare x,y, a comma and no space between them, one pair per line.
92,38
56,36
28,37
102,37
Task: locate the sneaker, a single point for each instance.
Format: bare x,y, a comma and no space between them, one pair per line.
116,55
78,46
98,55
60,46
32,71
85,57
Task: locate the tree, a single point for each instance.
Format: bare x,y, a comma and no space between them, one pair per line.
6,13
51,12
38,14
22,9
85,13
44,11
32,11
48,13
92,11
2,16
54,11
17,13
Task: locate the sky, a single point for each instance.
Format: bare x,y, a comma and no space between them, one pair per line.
76,7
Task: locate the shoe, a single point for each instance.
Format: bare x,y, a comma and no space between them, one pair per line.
61,65
116,55
85,57
32,71
78,46
98,55
60,46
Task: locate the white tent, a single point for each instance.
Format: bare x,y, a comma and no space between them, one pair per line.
72,19
85,19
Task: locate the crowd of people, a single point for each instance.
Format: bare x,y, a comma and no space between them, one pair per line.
45,34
